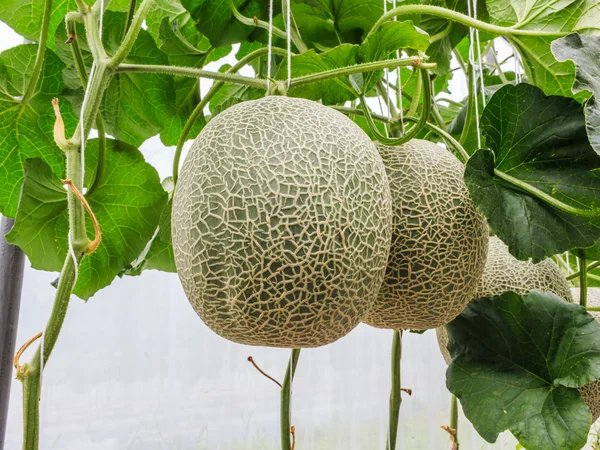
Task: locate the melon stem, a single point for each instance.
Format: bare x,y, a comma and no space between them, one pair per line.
286,395
396,391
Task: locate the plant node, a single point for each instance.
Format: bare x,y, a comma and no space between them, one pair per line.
452,433
92,245
23,370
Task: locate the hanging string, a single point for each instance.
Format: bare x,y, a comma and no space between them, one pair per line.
472,79
516,59
270,44
399,83
288,29
477,41
386,72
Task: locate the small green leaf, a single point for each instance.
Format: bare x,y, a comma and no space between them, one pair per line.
158,254
231,94
25,17
26,131
390,37
541,141
528,354
584,51
127,204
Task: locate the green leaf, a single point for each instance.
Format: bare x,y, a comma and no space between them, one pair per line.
215,20
539,140
158,254
335,90
526,355
231,94
26,130
584,51
176,14
127,204
558,16
349,19
25,17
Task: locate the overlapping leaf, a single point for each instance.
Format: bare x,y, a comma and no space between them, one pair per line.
127,203
26,130
25,16
541,141
380,45
517,361
559,16
584,51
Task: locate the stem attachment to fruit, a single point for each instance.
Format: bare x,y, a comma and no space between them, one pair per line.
395,393
410,134
286,392
197,112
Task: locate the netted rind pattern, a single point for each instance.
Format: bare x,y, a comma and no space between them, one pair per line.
282,223
439,240
503,272
591,391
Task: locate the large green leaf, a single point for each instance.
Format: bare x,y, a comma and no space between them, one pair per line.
215,19
517,361
539,140
26,130
541,67
25,16
127,203
584,52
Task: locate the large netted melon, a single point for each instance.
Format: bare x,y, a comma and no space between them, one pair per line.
503,272
282,223
591,391
439,240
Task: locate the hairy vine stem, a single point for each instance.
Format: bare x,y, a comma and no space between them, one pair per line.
457,17
547,198
454,419
80,243
197,112
263,84
286,393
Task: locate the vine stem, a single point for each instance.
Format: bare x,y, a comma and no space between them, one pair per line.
454,419
79,242
209,95
546,197
286,393
395,393
262,84
582,279
457,17
592,266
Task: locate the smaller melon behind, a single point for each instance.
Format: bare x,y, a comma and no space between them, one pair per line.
503,272
439,240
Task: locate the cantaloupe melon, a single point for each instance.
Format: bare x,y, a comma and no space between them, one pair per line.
591,391
439,240
503,272
282,223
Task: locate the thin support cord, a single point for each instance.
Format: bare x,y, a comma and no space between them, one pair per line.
399,83
473,72
482,84
270,44
288,29
386,71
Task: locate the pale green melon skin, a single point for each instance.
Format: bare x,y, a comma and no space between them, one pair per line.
282,223
439,240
